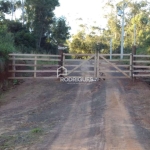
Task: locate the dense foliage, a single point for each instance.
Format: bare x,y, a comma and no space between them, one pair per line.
37,30
137,16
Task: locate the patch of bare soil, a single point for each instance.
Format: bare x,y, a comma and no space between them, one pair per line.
51,115
137,100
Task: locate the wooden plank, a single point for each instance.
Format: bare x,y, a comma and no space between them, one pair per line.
35,63
97,63
131,65
81,71
51,77
78,54
33,55
141,61
102,71
141,55
81,64
34,59
77,65
114,54
141,66
114,66
79,60
13,67
32,65
120,60
141,71
64,58
112,77
32,71
141,75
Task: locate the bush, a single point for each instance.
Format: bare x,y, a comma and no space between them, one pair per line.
6,43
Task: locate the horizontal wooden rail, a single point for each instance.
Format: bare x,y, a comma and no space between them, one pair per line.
37,59
33,55
33,71
51,77
141,66
32,65
141,61
80,71
141,55
112,60
77,65
79,60
112,77
78,54
141,75
114,54
141,70
102,71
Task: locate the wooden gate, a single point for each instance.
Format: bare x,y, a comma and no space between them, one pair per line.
96,65
114,67
79,65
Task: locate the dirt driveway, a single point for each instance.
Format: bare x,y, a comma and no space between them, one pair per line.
49,115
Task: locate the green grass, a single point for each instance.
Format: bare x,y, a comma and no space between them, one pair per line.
36,130
20,139
39,62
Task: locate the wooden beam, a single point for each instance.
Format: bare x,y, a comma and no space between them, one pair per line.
32,71
141,66
41,59
78,54
51,77
32,65
112,77
102,71
114,54
35,63
141,55
141,71
141,75
81,64
141,61
33,55
115,66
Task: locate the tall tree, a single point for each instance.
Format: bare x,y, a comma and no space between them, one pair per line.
40,16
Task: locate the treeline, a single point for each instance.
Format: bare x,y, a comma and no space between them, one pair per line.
37,29
137,17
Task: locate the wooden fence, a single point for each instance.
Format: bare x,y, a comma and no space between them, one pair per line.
45,66
141,66
33,64
75,63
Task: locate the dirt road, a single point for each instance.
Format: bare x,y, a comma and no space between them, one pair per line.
49,115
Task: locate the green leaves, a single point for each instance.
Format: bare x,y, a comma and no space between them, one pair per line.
6,42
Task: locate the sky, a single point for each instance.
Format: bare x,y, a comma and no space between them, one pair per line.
90,11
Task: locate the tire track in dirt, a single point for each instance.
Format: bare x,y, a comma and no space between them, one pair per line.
119,130
79,132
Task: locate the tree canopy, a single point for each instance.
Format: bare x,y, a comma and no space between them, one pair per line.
137,16
37,29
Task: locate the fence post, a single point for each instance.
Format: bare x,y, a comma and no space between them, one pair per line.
35,66
97,64
131,65
13,67
61,60
134,58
